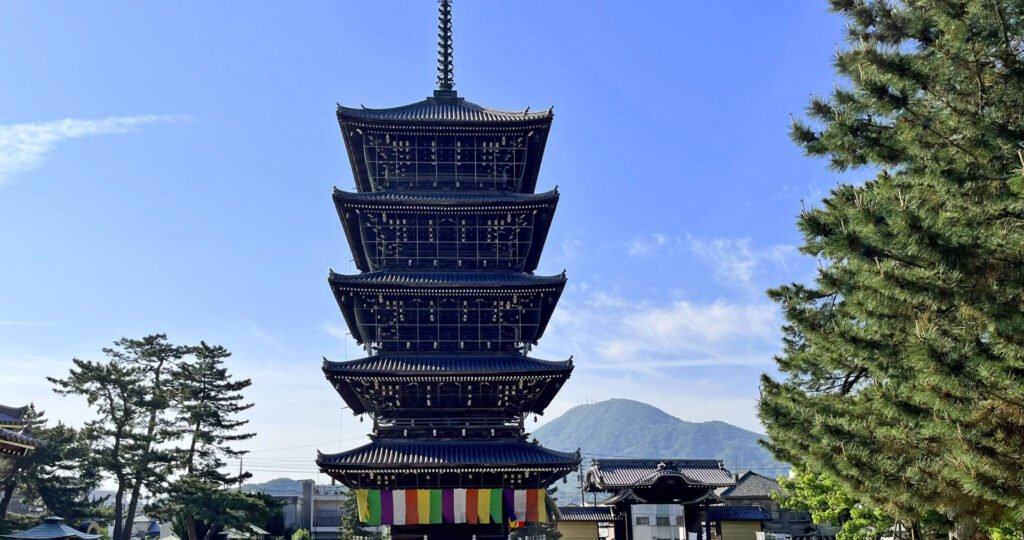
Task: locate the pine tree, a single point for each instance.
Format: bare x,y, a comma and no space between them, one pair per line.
350,528
59,472
132,397
208,401
903,364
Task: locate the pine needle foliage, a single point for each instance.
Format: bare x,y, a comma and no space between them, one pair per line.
902,374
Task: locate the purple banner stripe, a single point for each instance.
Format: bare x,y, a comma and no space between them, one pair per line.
448,505
387,507
510,503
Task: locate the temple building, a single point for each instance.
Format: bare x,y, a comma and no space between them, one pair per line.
446,230
635,485
15,432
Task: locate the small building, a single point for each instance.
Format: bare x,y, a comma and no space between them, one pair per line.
52,528
737,522
586,522
753,490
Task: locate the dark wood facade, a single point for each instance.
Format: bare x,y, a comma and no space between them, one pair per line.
446,230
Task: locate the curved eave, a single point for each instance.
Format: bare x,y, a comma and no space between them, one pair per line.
446,366
443,110
463,282
447,456
594,482
349,205
16,444
442,368
435,199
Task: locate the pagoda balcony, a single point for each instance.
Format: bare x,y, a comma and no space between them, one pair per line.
399,230
408,464
444,143
469,311
393,385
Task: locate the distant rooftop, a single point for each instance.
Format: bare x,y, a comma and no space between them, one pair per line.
752,485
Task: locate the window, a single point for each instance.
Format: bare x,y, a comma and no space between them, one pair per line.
643,520
662,521
681,521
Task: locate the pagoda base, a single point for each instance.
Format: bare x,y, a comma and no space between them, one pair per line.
449,532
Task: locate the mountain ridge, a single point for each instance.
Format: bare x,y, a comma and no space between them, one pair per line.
626,428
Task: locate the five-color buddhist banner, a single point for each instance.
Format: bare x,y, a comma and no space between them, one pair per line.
428,506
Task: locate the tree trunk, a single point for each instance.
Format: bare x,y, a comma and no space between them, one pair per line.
6,500
966,528
190,524
145,462
133,506
210,532
118,511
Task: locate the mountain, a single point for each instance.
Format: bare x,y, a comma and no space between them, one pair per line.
626,428
279,487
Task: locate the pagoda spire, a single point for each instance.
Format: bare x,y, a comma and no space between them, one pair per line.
445,64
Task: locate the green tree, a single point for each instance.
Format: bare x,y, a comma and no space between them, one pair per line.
903,364
208,401
132,398
828,502
350,528
301,534
59,472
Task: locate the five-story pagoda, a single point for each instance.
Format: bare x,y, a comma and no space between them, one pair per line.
447,230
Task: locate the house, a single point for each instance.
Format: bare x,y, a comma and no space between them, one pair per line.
586,522
755,491
737,522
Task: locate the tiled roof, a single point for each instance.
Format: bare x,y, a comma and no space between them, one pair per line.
453,279
12,416
51,527
751,484
16,437
586,513
737,513
387,454
445,197
618,473
434,109
445,364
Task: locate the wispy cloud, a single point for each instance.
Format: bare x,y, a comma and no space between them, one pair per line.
734,261
271,342
26,146
640,247
657,338
337,331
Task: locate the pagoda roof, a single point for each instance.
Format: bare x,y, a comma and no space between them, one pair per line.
449,280
389,455
444,109
445,198
12,416
52,527
16,443
446,365
614,474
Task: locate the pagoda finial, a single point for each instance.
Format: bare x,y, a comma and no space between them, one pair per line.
445,65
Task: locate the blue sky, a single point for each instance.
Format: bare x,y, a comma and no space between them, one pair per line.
168,168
